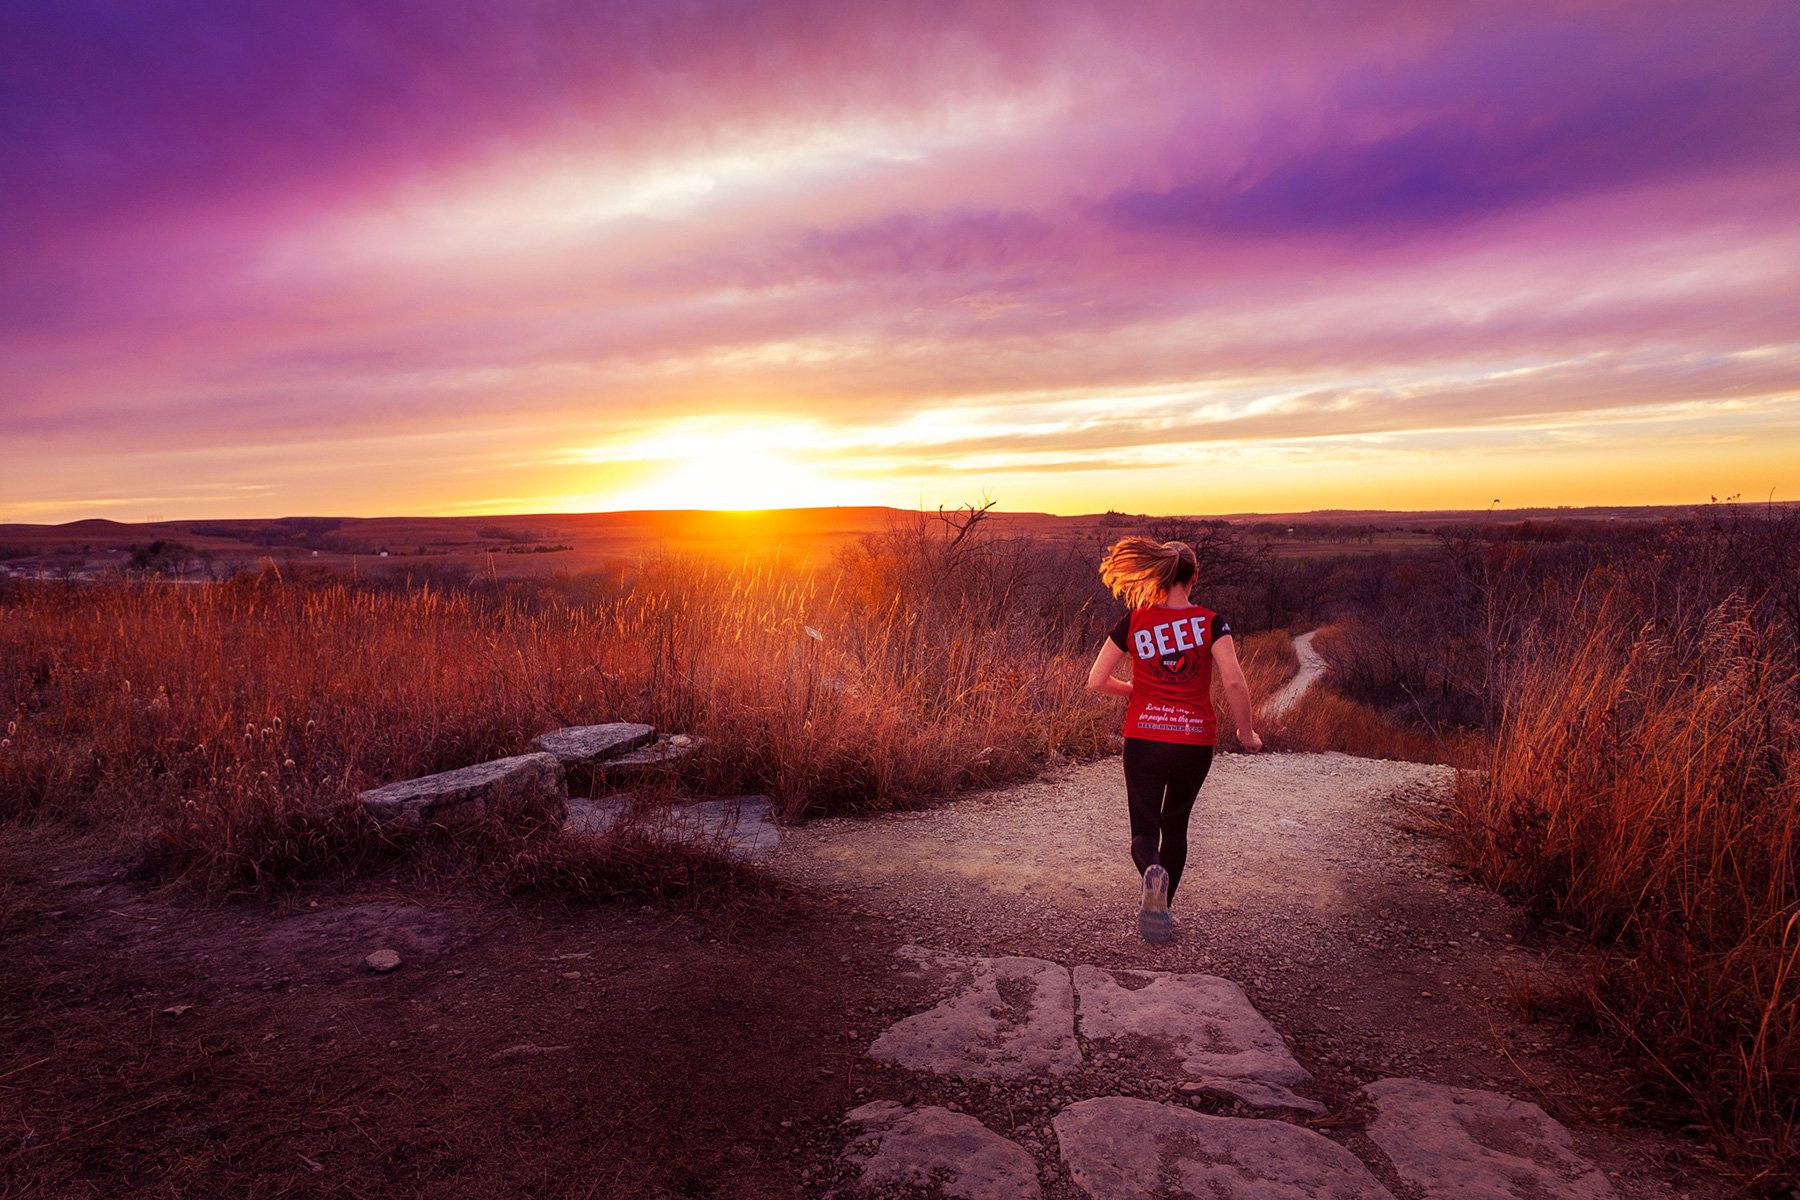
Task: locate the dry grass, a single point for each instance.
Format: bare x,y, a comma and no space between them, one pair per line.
1269,661
633,864
1326,719
230,727
1645,783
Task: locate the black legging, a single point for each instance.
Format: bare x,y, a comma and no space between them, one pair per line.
1161,781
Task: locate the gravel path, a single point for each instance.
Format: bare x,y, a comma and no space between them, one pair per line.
1312,668
1315,880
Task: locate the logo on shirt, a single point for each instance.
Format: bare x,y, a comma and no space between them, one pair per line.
1172,645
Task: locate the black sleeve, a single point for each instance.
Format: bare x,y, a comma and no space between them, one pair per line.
1221,627
1121,633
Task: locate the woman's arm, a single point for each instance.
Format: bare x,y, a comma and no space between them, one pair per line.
1100,675
1237,691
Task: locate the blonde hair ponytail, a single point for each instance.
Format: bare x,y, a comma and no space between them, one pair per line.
1139,570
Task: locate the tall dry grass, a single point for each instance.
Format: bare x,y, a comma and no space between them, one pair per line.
1269,661
231,726
1645,783
1325,718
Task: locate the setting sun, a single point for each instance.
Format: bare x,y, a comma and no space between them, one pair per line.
712,465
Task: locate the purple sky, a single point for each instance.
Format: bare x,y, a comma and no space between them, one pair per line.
448,257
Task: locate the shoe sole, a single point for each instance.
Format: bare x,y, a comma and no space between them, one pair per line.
1155,924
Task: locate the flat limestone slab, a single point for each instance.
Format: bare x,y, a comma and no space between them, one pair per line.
1202,1023
744,824
900,1146
597,817
741,826
470,793
1006,1019
1476,1145
1118,1148
589,743
657,755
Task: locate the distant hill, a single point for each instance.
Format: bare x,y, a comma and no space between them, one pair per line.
522,544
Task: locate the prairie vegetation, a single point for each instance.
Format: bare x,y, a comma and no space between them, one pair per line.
228,728
1328,719
1643,782
1626,700
1623,696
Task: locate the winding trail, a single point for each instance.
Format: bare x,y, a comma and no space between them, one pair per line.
1312,668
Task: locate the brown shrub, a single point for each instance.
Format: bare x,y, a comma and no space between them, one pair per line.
1326,719
1645,783
1269,661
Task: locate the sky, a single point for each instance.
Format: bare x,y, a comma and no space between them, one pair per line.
429,256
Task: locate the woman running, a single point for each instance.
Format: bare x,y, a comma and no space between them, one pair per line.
1170,725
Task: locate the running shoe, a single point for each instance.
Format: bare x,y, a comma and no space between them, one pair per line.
1154,922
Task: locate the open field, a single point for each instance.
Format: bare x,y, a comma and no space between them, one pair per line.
210,739
516,681
538,544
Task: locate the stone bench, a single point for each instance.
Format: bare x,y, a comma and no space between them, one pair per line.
524,782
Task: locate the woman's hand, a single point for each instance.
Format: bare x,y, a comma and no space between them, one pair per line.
1248,739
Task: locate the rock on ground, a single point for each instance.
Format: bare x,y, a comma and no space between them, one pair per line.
590,743
742,824
1008,1018
528,781
1476,1145
926,1147
1204,1023
651,757
383,960
1118,1148
597,817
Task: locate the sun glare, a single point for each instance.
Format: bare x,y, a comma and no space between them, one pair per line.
738,469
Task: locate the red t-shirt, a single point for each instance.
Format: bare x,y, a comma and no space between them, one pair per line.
1171,673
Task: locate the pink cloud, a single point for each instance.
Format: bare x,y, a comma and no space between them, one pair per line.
234,228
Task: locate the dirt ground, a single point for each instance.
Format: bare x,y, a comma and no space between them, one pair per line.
1316,882
156,1048
153,1046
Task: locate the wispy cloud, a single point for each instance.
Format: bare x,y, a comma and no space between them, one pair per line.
415,257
